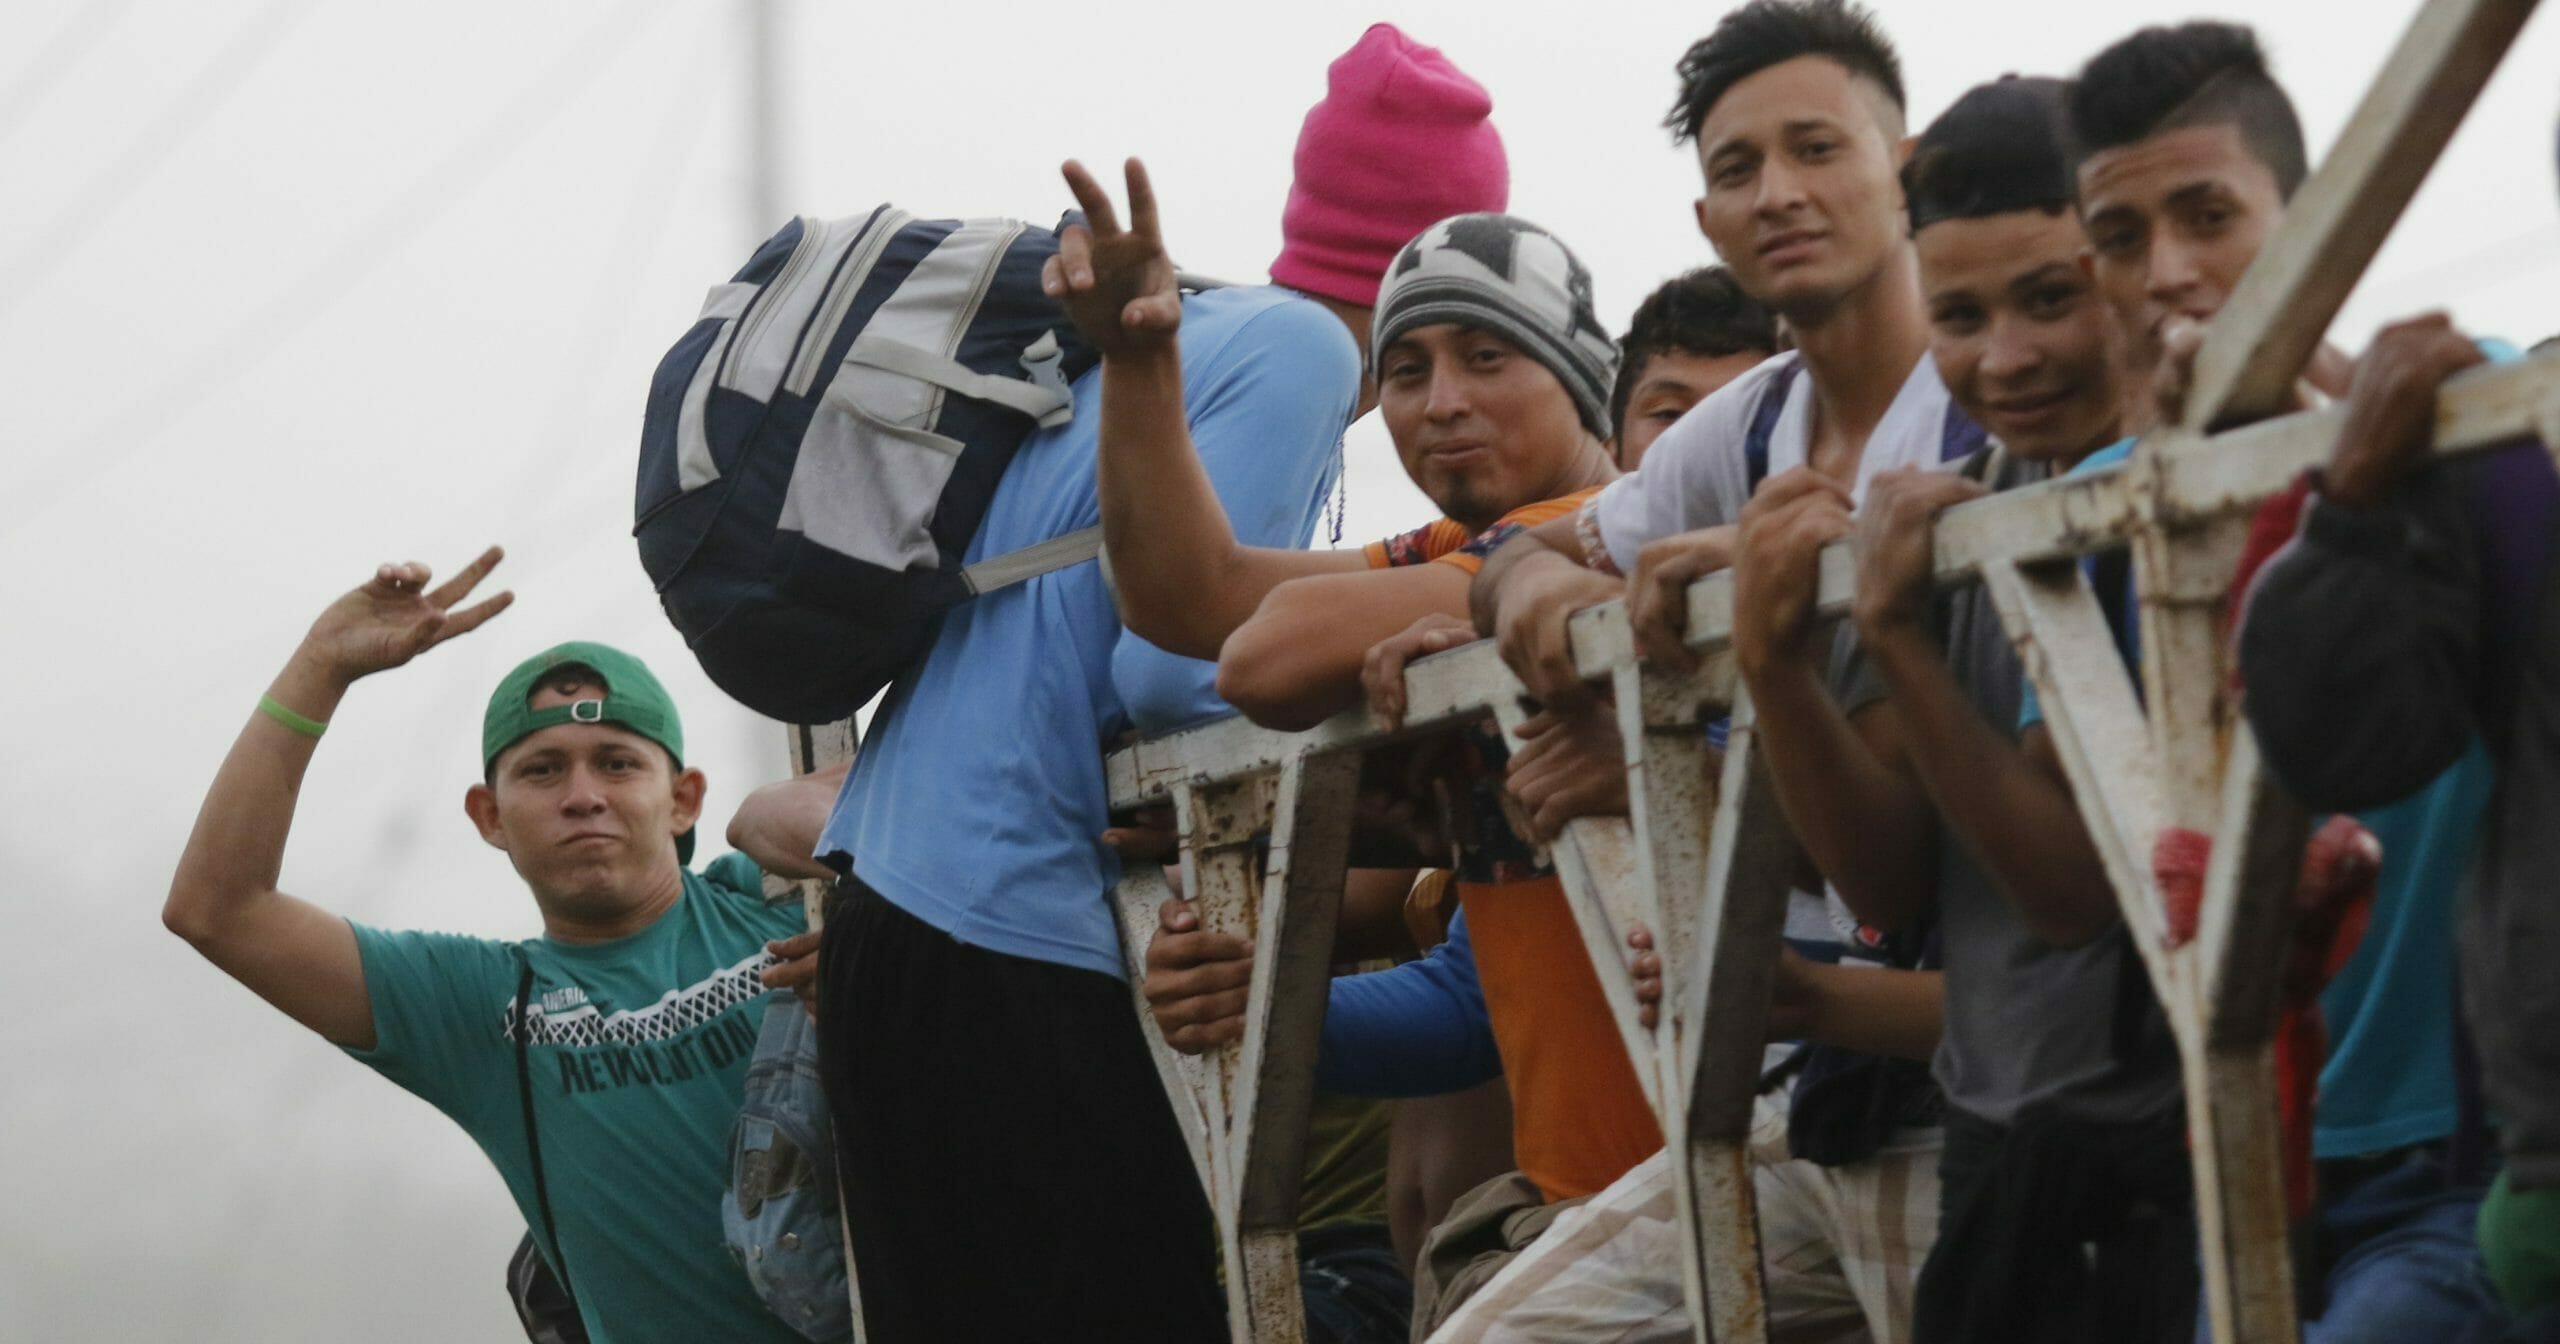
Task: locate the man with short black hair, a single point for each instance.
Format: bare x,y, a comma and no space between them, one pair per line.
1695,334
2187,151
1794,108
2064,1125
600,1066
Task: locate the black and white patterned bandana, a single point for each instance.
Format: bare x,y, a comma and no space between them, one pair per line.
1505,275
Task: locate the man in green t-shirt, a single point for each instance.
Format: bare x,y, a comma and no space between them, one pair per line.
608,1114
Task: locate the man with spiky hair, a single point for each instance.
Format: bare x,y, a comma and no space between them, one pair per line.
1795,111
2187,151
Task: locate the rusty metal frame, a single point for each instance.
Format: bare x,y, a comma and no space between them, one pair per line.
1718,900
1703,857
1706,865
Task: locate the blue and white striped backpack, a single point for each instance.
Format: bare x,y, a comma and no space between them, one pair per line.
821,445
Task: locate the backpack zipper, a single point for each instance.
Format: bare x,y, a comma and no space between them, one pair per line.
839,299
986,279
1012,229
812,238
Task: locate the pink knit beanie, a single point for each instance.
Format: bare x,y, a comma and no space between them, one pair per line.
1402,140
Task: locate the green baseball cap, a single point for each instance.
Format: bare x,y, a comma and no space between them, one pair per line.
632,698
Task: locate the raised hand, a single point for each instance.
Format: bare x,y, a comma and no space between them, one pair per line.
2175,375
1116,284
395,617
1646,966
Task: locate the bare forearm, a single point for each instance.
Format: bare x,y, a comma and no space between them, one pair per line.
236,851
1874,1011
1866,825
1372,925
1546,546
1298,661
2018,821
778,825
223,899
1185,583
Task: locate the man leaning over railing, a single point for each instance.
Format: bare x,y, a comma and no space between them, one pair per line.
1794,108
2188,156
2413,613
1492,374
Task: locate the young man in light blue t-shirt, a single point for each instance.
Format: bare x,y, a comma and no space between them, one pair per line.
599,1065
1012,1168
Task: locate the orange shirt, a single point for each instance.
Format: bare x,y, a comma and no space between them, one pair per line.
1447,541
1579,1119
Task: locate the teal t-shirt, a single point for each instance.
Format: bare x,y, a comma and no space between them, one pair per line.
639,1052
2389,1011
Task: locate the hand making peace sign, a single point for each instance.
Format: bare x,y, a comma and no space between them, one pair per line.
1116,284
394,618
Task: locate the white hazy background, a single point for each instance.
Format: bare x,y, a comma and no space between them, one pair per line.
289,289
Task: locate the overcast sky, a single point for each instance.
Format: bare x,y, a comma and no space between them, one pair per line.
289,289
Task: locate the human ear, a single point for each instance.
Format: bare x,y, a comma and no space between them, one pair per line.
690,786
480,803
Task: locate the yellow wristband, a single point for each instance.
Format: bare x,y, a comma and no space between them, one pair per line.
308,727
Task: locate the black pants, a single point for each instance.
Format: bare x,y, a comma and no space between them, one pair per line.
2054,1231
1011,1166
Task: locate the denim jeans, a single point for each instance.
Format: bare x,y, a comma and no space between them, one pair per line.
2402,1262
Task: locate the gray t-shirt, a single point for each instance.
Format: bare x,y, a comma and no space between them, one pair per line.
2027,1024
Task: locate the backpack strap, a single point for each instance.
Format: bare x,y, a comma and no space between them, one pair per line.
1057,553
1764,426
1958,435
1012,567
1048,406
523,1032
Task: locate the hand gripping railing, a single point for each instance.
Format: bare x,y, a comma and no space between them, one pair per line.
1703,858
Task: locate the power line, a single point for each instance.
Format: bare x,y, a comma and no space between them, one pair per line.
428,198
71,42
166,133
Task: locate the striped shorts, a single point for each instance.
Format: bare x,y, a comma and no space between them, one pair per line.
1842,1246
